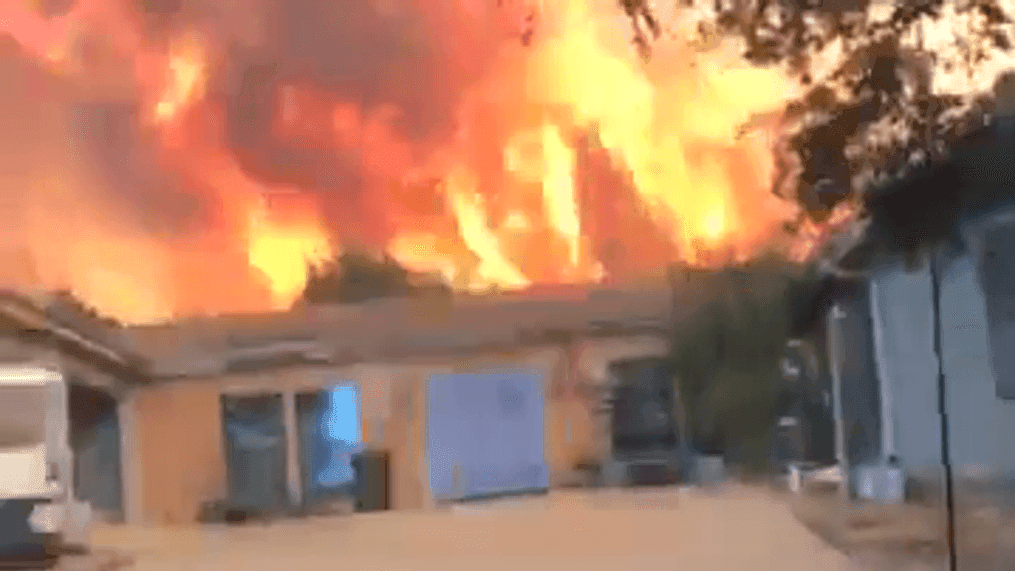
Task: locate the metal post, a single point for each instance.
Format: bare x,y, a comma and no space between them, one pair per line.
887,405
943,415
129,460
836,367
292,450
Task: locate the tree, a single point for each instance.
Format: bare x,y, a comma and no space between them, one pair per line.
355,277
726,356
886,102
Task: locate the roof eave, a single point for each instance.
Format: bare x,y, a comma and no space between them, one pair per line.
29,317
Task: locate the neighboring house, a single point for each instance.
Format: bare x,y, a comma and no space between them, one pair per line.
836,323
923,337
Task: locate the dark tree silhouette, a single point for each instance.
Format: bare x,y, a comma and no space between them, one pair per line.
355,277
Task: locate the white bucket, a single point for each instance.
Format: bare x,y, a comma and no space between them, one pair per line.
710,470
796,479
881,483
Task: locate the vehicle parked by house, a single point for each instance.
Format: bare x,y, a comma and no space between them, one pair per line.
38,510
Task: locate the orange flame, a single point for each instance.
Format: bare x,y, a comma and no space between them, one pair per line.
673,124
283,249
186,77
812,235
574,161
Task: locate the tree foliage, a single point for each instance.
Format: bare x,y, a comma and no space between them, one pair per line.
906,80
726,356
356,277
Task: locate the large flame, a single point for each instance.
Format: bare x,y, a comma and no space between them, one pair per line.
186,77
284,249
673,124
571,160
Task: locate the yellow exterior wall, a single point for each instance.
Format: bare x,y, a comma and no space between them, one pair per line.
394,419
179,439
179,426
566,447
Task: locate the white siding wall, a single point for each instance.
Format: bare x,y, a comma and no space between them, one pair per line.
908,367
982,427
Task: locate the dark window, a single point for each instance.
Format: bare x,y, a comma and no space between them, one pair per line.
643,408
997,273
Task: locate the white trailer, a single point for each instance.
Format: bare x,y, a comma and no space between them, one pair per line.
39,515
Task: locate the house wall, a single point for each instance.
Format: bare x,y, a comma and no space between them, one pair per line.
904,346
977,418
179,442
179,427
981,425
180,430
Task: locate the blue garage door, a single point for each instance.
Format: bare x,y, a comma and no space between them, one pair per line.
485,434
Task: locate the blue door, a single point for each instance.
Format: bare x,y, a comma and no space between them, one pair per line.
485,434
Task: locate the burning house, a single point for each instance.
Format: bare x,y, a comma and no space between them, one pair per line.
264,412
197,162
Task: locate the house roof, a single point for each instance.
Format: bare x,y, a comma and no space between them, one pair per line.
395,329
30,320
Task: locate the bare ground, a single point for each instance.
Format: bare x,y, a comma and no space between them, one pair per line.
908,537
734,528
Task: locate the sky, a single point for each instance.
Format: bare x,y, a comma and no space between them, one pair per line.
341,418
340,422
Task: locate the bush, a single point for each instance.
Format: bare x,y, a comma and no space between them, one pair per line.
726,358
356,277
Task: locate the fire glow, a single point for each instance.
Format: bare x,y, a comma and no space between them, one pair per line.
570,161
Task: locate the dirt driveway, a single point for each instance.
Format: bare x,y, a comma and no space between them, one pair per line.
733,529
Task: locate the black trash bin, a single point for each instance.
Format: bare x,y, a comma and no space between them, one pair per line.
372,477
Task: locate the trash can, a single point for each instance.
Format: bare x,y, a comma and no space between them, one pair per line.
372,479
